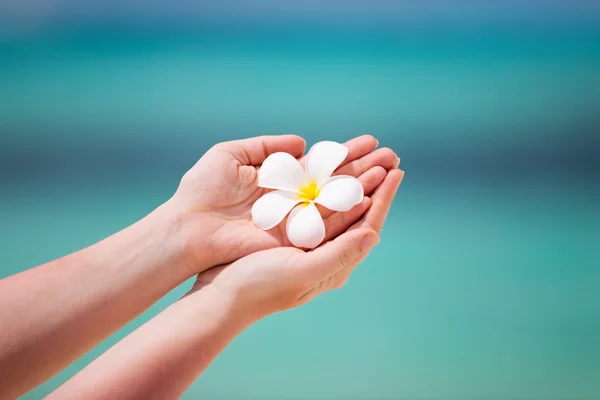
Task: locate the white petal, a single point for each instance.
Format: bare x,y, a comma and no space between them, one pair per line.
305,226
269,210
281,171
340,193
324,158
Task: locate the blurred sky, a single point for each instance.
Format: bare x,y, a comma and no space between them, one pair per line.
326,11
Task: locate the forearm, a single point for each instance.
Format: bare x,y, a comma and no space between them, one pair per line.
52,314
164,356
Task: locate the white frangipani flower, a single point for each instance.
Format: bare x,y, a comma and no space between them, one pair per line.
297,190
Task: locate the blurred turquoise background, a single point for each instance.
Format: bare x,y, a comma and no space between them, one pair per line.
486,284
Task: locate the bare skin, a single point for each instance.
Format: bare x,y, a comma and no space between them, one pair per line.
164,356
52,314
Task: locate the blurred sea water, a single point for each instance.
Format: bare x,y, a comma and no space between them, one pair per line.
486,283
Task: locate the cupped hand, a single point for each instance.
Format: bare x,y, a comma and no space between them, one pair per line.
277,279
217,194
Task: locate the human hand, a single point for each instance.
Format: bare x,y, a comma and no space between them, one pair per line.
215,196
277,279
164,356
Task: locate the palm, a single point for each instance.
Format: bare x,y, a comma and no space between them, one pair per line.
228,189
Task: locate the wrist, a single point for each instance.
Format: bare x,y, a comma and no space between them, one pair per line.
190,236
224,307
159,240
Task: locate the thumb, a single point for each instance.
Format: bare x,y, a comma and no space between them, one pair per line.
346,251
254,151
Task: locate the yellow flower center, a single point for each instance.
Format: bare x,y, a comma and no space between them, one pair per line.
309,192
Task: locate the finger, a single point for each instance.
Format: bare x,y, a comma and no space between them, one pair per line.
369,181
374,218
338,254
339,279
339,222
384,157
254,151
382,201
357,147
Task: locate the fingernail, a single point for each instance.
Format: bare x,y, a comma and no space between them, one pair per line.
397,162
368,242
